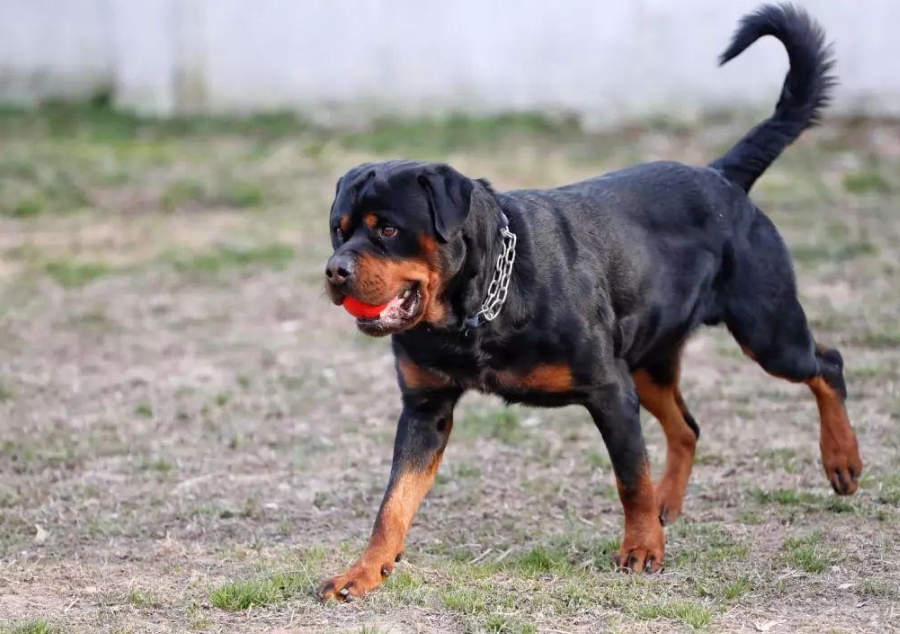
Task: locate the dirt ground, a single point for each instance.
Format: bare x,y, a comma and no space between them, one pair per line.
191,436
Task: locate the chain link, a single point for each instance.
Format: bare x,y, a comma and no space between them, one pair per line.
499,286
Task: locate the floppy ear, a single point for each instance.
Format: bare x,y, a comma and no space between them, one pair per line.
449,199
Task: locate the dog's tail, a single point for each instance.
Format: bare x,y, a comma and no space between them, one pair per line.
805,92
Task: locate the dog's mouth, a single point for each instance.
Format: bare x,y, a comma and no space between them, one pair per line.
397,315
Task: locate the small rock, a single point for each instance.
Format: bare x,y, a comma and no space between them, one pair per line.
41,535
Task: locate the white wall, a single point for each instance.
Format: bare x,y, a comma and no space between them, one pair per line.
353,59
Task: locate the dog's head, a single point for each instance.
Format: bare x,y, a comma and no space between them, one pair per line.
395,229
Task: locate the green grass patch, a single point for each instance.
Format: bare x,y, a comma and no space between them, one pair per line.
95,121
226,257
808,553
803,499
143,410
157,464
694,615
887,338
31,188
407,588
877,588
457,132
866,181
34,626
466,600
299,575
832,250
783,459
886,486
705,545
8,498
501,624
243,194
239,595
539,561
143,599
182,193
72,273
6,393
191,193
722,589
500,424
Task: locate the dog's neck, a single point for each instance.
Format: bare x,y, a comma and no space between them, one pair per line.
483,241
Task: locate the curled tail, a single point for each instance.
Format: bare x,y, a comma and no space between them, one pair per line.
805,92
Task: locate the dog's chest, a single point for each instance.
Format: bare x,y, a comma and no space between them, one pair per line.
518,378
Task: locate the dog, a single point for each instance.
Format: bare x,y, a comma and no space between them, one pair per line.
583,294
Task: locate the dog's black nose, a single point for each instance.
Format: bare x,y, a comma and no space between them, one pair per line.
339,269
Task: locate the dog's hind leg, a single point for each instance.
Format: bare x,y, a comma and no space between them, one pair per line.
657,388
765,317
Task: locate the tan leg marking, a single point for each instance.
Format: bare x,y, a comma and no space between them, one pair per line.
644,543
386,543
666,405
837,440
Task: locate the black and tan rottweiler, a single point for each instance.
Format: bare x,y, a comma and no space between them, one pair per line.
583,294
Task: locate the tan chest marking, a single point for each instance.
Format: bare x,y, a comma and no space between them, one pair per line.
549,377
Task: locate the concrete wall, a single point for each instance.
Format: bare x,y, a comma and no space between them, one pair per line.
353,59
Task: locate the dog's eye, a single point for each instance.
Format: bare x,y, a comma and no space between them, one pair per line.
387,231
339,233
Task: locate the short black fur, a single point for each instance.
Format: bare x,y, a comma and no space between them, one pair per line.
611,275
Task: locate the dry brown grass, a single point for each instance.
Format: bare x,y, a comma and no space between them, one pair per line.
191,436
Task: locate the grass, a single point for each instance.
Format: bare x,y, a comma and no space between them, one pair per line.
501,424
703,545
143,410
808,553
888,337
803,499
6,393
887,487
143,599
444,135
692,614
499,624
253,423
95,121
72,273
188,193
539,561
157,464
235,596
877,588
866,181
223,257
35,626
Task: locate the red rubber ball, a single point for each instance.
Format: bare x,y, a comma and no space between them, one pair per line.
360,310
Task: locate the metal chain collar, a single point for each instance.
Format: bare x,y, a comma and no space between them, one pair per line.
499,286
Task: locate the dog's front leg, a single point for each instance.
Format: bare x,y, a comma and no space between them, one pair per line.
614,407
422,434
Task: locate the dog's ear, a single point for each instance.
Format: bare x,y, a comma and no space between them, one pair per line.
449,199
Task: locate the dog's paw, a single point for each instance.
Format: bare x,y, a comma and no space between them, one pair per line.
843,470
841,461
669,502
642,550
357,581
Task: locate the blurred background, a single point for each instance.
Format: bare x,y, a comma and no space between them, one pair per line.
191,436
350,61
